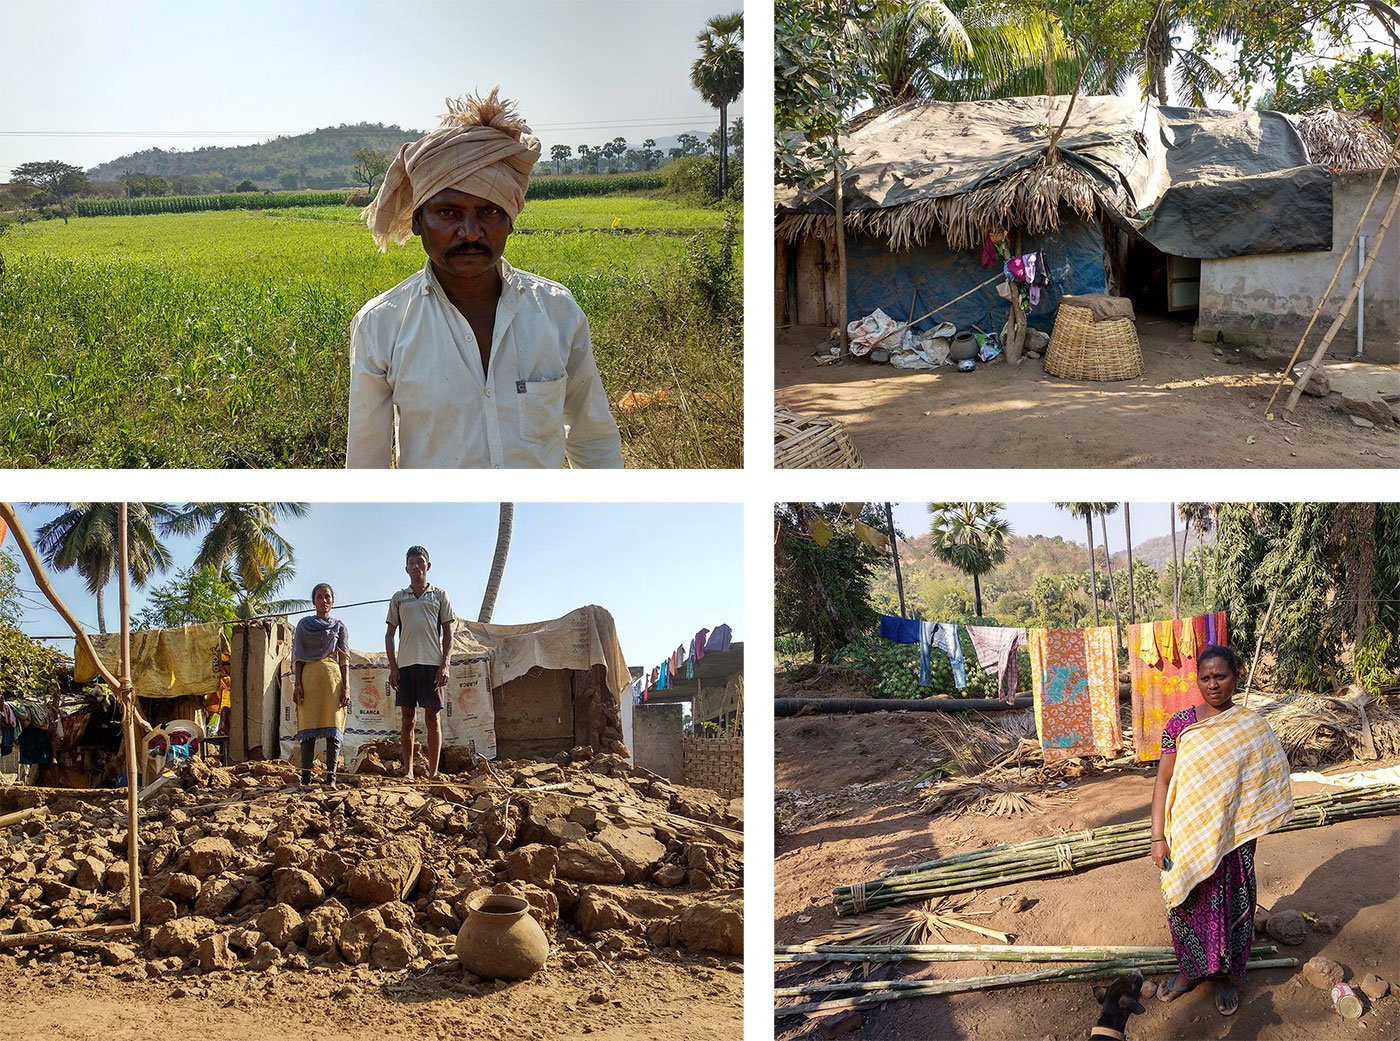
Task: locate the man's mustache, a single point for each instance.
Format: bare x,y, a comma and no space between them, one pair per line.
465,250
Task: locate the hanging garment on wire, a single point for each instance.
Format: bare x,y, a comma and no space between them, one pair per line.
700,643
719,639
925,639
899,630
945,635
1074,679
995,647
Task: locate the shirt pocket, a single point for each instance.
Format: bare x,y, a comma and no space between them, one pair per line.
541,410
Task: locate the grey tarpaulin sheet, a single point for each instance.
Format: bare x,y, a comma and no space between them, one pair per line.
1194,182
1241,184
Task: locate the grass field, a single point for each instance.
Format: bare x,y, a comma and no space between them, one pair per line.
221,338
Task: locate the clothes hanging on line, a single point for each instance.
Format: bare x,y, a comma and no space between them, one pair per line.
1162,666
945,636
925,640
995,647
700,643
899,630
1074,680
719,639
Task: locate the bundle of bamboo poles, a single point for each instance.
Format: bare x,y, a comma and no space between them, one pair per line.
1078,851
1090,963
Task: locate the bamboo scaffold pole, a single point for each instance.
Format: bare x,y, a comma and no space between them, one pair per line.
131,718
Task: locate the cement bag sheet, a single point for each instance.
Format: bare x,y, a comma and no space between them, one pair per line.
584,637
165,663
929,150
1241,185
468,716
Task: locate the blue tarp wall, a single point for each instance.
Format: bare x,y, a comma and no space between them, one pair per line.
875,277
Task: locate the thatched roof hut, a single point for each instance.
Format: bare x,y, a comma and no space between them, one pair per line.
1126,188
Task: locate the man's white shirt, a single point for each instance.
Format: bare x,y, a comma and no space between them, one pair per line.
417,388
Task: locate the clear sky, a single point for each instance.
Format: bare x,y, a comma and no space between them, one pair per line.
1150,520
664,571
86,81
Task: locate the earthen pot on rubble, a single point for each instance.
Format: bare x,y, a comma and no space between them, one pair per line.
501,940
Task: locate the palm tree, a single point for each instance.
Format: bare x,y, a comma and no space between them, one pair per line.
1108,561
242,535
970,536
1128,536
1176,567
84,538
718,74
498,561
257,600
1199,514
1086,511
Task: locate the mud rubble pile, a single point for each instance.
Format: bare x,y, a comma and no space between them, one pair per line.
242,868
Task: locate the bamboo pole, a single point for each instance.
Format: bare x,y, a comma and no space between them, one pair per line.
22,815
1259,646
128,700
62,937
1345,309
894,547
952,952
1322,302
878,992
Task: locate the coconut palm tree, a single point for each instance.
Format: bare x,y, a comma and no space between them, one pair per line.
970,536
257,600
1086,511
238,535
498,561
718,75
83,538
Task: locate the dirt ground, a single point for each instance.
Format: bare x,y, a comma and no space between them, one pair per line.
1195,406
628,1001
844,818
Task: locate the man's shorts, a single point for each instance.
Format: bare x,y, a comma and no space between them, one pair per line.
416,687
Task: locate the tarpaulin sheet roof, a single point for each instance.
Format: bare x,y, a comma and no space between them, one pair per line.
1194,182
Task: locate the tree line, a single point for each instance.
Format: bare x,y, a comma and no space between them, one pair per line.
1319,581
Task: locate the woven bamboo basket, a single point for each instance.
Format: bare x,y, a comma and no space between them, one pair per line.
811,443
1083,349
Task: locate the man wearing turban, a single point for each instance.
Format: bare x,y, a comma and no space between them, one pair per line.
470,362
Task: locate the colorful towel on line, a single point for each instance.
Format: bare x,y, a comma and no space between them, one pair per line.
1162,663
1074,680
1230,785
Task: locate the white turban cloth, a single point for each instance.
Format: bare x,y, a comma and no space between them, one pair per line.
482,148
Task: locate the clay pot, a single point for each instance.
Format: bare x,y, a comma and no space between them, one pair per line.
963,347
500,940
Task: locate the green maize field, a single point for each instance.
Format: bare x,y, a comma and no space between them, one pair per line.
221,338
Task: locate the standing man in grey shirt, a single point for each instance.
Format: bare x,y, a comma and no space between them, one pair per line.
422,616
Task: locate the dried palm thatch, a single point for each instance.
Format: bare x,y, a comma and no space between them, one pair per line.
1036,198
1343,141
973,744
1323,730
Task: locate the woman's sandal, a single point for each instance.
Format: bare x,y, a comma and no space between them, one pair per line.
1170,990
1227,998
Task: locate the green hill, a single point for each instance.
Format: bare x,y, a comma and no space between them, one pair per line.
320,159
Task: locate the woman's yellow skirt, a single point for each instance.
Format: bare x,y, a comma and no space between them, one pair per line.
320,707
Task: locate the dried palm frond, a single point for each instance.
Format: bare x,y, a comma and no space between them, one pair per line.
915,925
993,797
470,110
1320,731
1343,141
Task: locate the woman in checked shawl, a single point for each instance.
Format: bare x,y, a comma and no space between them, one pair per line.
1222,782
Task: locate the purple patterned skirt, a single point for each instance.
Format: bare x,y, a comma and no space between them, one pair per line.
1213,928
